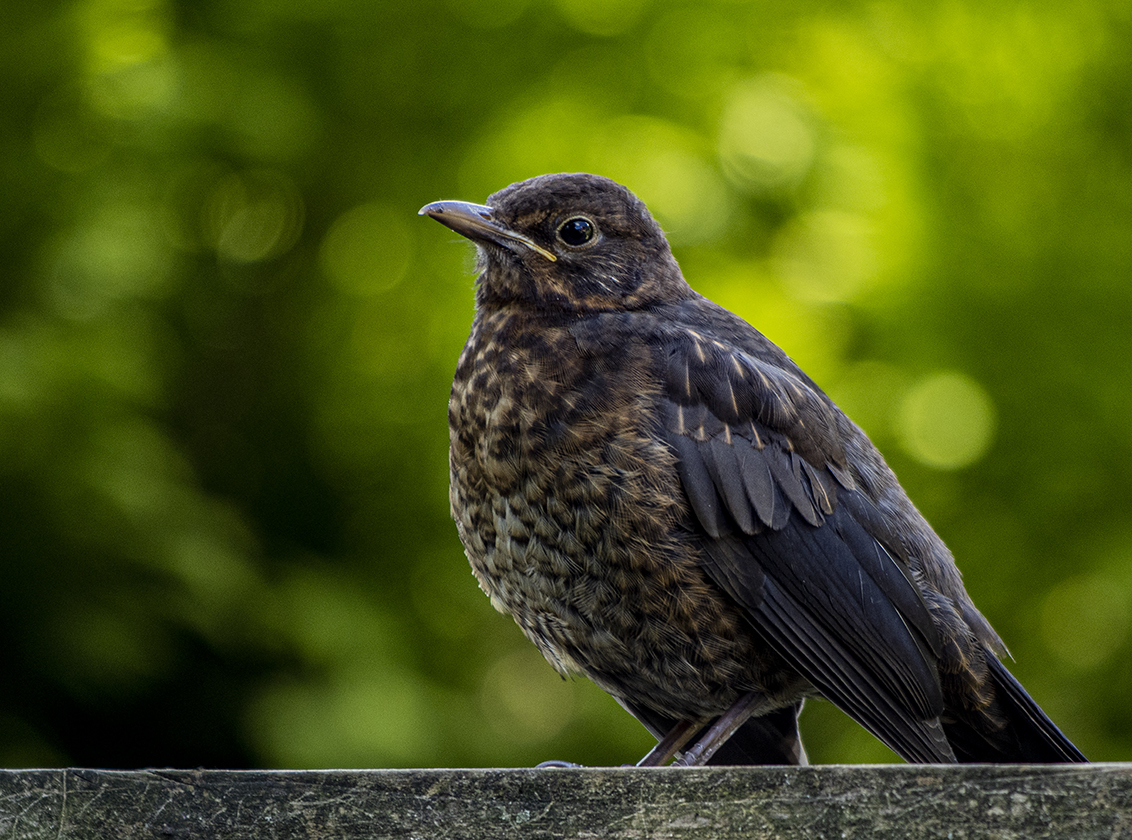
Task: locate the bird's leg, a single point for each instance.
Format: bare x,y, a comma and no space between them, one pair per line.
721,730
670,744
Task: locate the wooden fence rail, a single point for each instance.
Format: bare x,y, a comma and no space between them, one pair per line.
875,802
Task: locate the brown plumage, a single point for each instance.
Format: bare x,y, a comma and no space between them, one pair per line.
667,504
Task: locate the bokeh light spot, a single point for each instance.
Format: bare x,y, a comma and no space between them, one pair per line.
368,249
691,53
524,699
137,92
119,254
766,136
253,216
1085,620
550,136
610,17
869,393
947,421
665,165
826,256
487,14
121,33
352,719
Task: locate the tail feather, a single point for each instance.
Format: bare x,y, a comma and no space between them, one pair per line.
1014,731
1028,736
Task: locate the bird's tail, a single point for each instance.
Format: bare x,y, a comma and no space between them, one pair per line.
1028,736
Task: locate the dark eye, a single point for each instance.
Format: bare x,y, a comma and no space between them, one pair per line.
576,231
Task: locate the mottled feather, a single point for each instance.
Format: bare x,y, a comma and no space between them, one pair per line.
667,504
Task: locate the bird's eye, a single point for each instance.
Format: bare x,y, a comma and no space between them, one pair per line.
577,231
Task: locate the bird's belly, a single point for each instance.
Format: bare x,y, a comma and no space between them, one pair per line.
592,566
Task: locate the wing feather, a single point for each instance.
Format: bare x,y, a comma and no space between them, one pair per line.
788,535
726,473
787,474
699,487
762,493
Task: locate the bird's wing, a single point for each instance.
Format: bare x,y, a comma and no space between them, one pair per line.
787,534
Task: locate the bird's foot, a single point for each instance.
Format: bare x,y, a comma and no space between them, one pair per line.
670,744
720,731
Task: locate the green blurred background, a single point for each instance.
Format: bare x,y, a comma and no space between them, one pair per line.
226,339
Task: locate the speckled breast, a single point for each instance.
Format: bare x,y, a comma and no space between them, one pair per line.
571,513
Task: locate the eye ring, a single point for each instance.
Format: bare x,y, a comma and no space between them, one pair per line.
577,232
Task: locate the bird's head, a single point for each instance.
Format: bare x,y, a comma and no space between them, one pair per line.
571,242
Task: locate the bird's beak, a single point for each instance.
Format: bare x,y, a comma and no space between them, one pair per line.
477,222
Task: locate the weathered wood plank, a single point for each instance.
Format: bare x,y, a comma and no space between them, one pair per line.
1004,801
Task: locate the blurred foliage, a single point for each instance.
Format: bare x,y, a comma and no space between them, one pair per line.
226,341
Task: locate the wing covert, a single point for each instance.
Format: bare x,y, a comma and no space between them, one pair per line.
766,475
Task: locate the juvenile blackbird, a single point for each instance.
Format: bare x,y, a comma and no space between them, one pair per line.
666,503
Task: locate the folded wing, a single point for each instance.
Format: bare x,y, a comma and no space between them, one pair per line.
787,533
